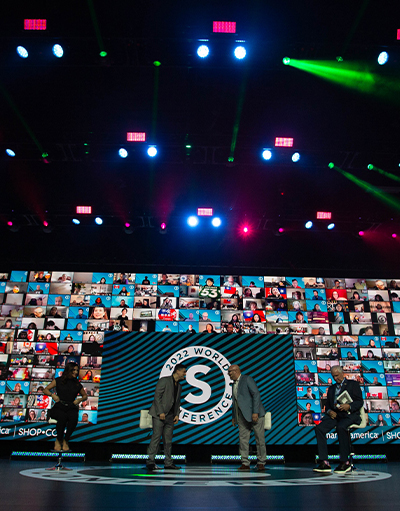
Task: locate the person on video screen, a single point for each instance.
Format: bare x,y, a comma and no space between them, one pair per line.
248,413
339,416
65,411
165,414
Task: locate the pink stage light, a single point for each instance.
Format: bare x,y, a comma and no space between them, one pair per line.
32,24
245,229
9,223
398,34
324,215
394,235
283,142
204,211
281,229
163,226
127,225
45,223
134,136
361,233
84,210
225,27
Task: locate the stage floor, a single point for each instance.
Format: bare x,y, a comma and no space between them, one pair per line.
101,487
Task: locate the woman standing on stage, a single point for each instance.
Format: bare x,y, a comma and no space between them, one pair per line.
65,411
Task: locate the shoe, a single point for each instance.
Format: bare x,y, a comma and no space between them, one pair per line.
260,467
152,467
172,467
323,468
343,468
244,467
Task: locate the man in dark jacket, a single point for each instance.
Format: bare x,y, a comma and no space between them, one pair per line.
165,414
339,416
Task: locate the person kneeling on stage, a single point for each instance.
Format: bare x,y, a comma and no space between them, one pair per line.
339,416
65,411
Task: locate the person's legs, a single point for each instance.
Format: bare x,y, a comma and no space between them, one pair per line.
259,434
321,430
244,438
158,426
72,421
62,418
167,434
343,435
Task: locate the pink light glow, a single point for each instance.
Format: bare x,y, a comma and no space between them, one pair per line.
324,215
9,223
226,27
245,229
46,224
204,212
281,229
133,136
127,224
33,24
163,226
394,235
361,233
84,210
283,142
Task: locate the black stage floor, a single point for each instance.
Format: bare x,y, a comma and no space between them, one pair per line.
98,487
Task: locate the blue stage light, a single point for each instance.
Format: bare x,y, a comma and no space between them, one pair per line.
266,154
58,51
295,157
98,220
10,152
331,226
309,224
203,51
123,152
240,52
383,58
22,52
152,151
76,221
216,221
193,221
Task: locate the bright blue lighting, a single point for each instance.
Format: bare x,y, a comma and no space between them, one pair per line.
266,154
58,51
152,151
98,220
383,58
331,226
216,222
193,221
295,157
203,51
309,224
123,152
240,52
76,221
10,152
22,52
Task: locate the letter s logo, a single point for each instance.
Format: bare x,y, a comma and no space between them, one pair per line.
194,382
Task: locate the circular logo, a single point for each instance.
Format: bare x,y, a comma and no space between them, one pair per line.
210,414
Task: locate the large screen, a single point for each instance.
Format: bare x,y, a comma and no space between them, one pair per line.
113,323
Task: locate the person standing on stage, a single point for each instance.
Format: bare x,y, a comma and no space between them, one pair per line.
65,411
339,416
165,414
248,413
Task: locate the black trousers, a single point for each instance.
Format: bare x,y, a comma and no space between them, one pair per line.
341,424
65,419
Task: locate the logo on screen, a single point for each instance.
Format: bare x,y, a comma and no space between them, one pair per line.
202,391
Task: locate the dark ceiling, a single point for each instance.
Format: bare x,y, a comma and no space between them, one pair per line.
58,106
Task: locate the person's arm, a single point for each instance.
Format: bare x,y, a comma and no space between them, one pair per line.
47,392
83,397
158,394
256,398
356,396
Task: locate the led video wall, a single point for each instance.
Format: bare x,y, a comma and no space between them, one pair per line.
49,318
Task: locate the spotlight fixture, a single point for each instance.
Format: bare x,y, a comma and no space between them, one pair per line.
286,61
193,221
216,222
266,154
123,153
22,52
394,235
98,220
308,224
240,52
246,229
13,225
76,221
361,233
10,153
331,165
203,51
47,227
58,51
128,228
383,58
152,151
331,226
295,157
163,228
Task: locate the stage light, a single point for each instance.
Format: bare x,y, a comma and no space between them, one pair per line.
157,63
35,24
225,27
331,165
324,215
98,220
246,229
22,52
76,221
283,142
193,221
240,52
361,233
152,151
370,167
103,54
163,228
308,224
339,58
281,230
10,152
331,226
58,51
394,235
13,225
47,227
266,154
134,136
128,228
383,58
286,61
84,210
123,153
203,51
204,211
295,157
216,221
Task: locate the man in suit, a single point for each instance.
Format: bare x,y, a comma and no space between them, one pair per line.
165,414
248,413
339,416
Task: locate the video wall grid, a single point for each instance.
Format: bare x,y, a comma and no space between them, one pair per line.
49,318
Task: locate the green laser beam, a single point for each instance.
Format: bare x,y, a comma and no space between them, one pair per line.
21,118
386,174
355,75
96,25
373,190
239,109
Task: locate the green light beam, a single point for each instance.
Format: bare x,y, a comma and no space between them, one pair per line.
96,27
239,109
22,119
355,75
355,26
373,190
384,173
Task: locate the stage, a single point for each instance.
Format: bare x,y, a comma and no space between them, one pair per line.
102,486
